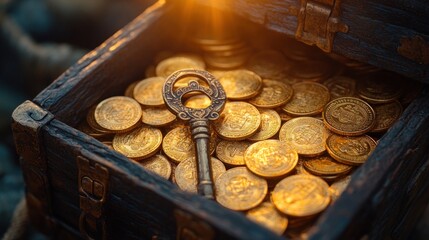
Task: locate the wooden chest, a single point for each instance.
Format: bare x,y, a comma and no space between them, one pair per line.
76,187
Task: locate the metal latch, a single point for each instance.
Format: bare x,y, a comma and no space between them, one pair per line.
318,21
93,180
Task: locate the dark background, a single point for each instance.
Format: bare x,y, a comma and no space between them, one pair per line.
40,39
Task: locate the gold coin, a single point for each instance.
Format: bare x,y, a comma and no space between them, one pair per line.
268,64
238,121
92,123
85,128
118,114
284,116
386,115
149,91
186,173
270,125
268,216
195,57
301,195
270,158
306,135
325,165
307,70
308,98
178,144
129,92
300,169
141,143
273,94
241,84
232,152
170,65
378,89
337,188
350,150
239,189
349,116
341,86
157,116
159,165
198,102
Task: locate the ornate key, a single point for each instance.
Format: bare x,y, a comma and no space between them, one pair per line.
198,118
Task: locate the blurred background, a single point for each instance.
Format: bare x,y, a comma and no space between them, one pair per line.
40,39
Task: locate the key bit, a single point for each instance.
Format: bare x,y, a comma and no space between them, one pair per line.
198,118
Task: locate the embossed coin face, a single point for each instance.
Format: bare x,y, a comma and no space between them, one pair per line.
338,187
350,150
118,113
341,86
239,189
325,165
158,164
168,66
187,176
308,98
238,121
241,84
349,116
232,152
270,158
141,143
178,144
386,115
273,94
94,127
268,216
270,125
301,195
306,135
269,64
157,116
149,91
198,102
377,90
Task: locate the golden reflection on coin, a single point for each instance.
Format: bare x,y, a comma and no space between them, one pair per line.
240,84
306,135
325,165
268,216
178,144
170,65
341,86
273,94
129,92
118,113
350,150
349,116
148,91
386,115
186,174
377,90
301,195
238,121
198,102
157,116
142,142
270,125
93,125
300,169
269,64
232,152
158,164
270,158
308,99
338,187
239,189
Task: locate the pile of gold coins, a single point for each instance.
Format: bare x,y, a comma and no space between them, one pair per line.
294,128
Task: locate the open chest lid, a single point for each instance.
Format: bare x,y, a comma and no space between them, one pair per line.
392,35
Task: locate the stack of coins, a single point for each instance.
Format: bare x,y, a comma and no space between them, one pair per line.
292,132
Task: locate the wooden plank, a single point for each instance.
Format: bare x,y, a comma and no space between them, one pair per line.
382,179
136,197
377,30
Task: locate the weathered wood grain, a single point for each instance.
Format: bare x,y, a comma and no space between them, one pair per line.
376,30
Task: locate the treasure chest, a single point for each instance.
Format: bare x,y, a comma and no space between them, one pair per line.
77,187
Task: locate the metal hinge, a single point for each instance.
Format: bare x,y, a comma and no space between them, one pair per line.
93,182
318,21
190,228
